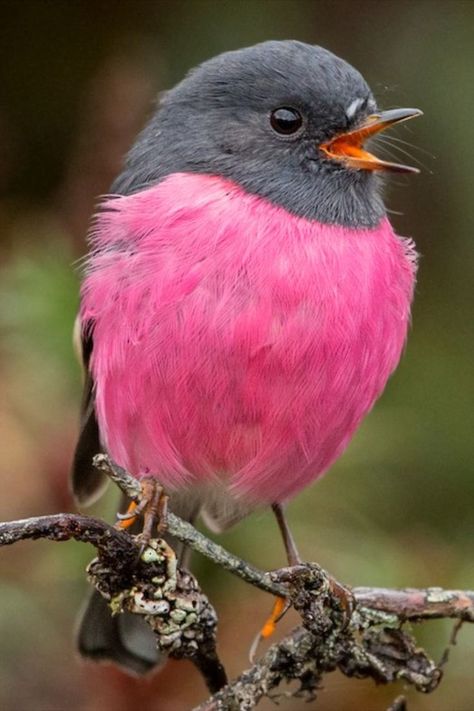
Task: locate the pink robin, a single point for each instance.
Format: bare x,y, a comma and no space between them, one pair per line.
245,298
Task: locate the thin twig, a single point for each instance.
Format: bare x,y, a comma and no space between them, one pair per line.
412,603
453,638
125,481
66,526
186,533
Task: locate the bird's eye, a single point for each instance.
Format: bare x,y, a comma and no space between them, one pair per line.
286,121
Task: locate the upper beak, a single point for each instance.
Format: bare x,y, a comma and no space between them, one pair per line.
348,147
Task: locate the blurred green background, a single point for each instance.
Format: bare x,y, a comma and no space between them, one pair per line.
77,79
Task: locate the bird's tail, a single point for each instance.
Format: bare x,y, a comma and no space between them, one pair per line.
126,639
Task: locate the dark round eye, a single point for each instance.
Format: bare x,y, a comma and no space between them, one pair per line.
286,121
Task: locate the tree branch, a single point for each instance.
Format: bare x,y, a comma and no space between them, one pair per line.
406,604
64,527
415,604
366,639
371,643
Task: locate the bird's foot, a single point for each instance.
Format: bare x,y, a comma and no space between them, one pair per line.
280,607
152,504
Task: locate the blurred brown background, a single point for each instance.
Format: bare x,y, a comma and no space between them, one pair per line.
77,80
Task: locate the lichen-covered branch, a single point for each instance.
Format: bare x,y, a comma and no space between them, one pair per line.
359,631
65,526
141,577
369,643
413,604
405,604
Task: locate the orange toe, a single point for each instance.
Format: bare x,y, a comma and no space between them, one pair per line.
130,518
269,627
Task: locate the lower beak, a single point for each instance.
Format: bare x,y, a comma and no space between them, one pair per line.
348,147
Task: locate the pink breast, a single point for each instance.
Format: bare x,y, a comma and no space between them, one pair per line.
232,339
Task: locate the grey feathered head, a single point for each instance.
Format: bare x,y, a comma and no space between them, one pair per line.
260,116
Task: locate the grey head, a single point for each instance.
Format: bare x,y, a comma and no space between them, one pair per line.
258,117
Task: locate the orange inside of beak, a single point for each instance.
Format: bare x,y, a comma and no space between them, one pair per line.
348,147
352,152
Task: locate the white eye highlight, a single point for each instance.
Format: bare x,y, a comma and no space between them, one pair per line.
353,107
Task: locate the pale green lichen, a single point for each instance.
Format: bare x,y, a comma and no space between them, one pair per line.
437,595
184,604
178,615
116,603
150,555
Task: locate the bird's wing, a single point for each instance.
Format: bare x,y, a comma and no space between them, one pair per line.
86,481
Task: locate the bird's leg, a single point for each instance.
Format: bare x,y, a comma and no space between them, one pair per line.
152,492
343,594
292,554
162,513
281,604
152,504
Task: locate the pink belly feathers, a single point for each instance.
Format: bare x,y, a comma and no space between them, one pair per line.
234,340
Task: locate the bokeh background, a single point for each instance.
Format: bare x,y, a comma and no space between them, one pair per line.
77,81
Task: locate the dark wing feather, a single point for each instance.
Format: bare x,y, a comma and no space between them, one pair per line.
87,482
125,639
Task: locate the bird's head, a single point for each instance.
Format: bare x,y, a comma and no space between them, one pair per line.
284,120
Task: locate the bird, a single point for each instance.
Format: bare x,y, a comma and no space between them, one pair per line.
245,298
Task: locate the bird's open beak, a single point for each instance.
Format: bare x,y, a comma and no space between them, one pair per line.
348,147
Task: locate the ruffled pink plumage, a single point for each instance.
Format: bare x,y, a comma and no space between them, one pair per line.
233,340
